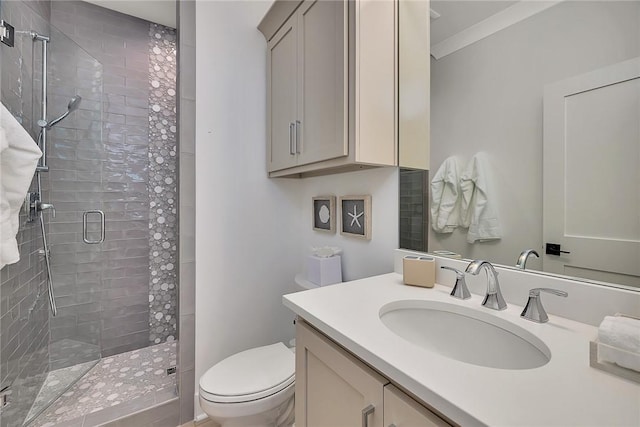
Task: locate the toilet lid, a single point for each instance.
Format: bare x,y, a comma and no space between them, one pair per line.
249,375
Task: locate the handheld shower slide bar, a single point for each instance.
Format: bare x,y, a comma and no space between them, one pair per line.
38,206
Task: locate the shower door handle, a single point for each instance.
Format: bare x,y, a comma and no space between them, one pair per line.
85,232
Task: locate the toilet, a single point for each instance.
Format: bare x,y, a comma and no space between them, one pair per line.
251,388
254,387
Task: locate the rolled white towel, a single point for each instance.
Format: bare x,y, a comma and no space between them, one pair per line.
621,338
19,156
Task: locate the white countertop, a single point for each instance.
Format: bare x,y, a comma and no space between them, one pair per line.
564,392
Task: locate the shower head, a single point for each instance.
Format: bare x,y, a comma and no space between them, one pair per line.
74,103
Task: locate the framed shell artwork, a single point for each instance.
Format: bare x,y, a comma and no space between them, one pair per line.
324,214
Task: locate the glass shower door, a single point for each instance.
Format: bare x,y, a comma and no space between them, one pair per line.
41,356
74,157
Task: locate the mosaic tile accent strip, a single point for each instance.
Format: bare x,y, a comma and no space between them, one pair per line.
114,381
163,293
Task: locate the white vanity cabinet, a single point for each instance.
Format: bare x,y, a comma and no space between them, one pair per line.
282,66
306,87
401,410
333,388
332,85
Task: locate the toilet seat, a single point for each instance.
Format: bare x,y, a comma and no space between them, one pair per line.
253,374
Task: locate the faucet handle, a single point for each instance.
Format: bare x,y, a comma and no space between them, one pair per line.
534,310
40,206
460,289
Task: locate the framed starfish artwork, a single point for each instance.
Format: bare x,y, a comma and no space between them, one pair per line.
324,213
355,212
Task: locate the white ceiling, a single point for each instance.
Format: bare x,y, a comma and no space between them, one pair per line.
458,15
455,15
158,11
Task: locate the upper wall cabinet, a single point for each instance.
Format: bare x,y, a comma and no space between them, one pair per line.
336,99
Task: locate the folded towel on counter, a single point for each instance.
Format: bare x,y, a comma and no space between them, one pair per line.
19,156
621,338
444,197
478,209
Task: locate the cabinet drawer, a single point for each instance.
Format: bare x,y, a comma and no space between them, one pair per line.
333,388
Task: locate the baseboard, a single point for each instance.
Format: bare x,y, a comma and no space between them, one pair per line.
205,423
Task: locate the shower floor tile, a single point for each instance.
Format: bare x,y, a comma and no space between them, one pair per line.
55,383
135,376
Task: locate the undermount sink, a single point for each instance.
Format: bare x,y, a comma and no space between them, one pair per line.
465,334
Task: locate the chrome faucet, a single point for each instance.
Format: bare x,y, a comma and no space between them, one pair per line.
493,299
460,289
524,255
534,310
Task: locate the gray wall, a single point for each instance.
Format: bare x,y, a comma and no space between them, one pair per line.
103,290
24,326
488,97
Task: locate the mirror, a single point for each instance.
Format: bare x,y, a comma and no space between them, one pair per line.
488,81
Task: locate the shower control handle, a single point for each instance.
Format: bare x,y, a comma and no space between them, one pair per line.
40,206
34,206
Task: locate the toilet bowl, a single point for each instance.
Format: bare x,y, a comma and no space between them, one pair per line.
251,388
254,387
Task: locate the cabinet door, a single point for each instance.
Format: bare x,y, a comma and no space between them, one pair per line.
322,81
402,411
332,387
281,93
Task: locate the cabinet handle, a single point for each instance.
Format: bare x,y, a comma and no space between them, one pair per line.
291,133
365,415
296,139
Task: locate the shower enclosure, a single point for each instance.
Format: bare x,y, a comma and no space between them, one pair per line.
91,298
38,340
